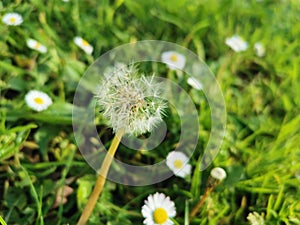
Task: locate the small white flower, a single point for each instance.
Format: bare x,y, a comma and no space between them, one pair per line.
158,209
129,101
218,173
259,49
255,219
194,83
178,163
173,59
65,0
236,43
34,44
12,19
38,100
84,45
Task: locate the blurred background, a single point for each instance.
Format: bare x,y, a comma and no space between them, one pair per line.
260,83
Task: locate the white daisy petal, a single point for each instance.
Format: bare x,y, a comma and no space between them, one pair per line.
38,100
169,222
194,83
163,211
178,163
218,173
84,45
35,45
236,43
259,49
12,19
146,210
186,169
151,203
255,219
173,59
157,199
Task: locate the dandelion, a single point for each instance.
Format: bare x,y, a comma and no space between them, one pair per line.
218,173
255,219
117,68
34,44
131,103
173,59
12,19
38,100
84,45
194,83
236,43
158,209
259,49
177,162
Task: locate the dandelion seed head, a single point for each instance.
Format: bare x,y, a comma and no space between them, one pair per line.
218,173
129,101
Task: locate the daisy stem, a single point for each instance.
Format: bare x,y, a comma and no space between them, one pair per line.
201,202
174,221
2,221
102,174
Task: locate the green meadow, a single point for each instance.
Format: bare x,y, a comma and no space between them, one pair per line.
44,178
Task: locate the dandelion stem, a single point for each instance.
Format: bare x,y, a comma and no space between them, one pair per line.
201,202
100,180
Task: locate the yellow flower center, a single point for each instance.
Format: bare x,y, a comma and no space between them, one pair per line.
178,163
160,216
85,43
37,45
174,58
38,100
12,20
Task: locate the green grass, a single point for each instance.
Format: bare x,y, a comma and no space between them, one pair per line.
261,148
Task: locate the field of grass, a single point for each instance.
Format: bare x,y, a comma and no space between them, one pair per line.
39,156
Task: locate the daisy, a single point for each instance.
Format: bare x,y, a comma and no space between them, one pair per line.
255,219
12,19
177,162
84,45
236,43
218,173
158,209
173,59
259,49
34,44
38,100
194,83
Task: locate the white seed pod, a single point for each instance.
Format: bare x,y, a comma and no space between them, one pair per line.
218,173
130,102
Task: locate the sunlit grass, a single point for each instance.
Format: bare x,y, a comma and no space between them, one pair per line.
261,148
